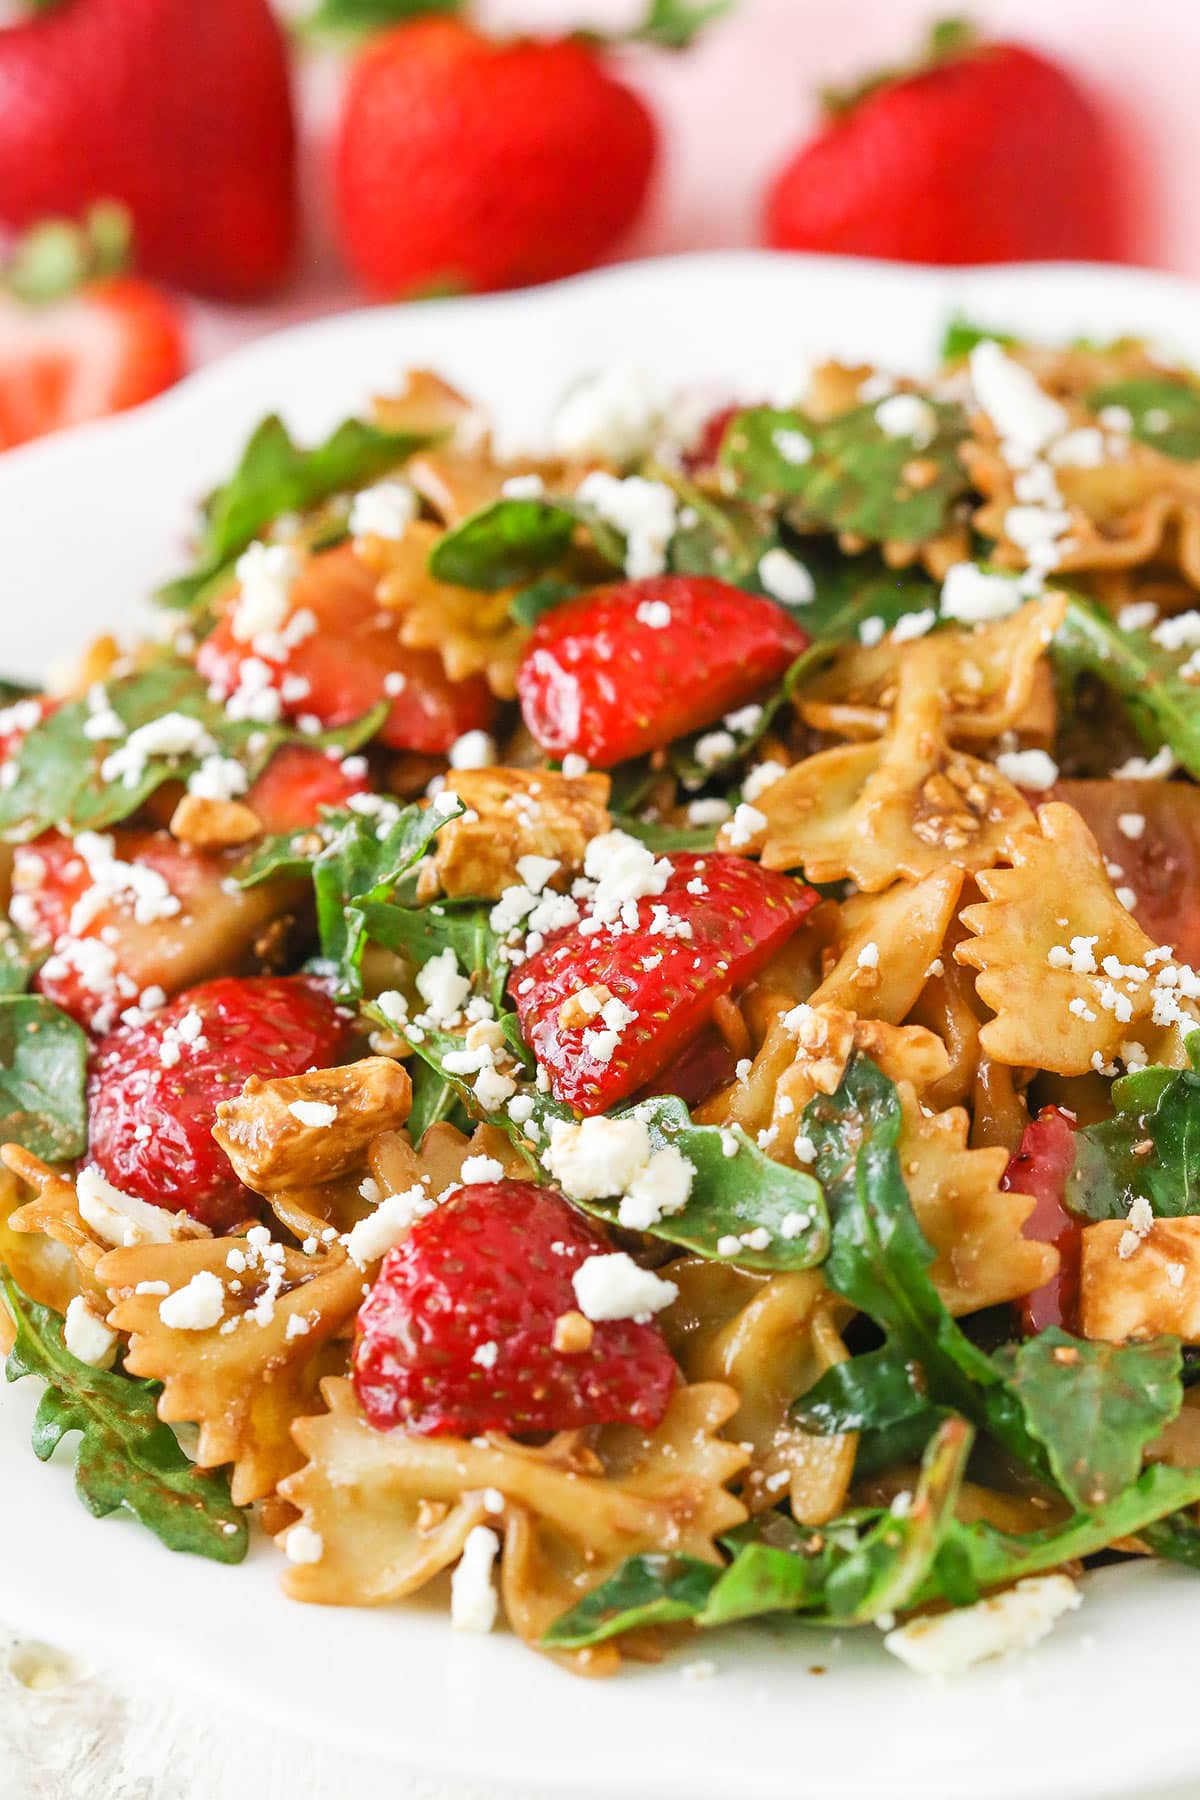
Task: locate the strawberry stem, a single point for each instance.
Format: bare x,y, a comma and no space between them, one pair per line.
945,40
56,258
674,24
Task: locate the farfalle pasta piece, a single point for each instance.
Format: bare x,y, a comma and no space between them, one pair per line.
474,633
43,1268
974,1227
987,678
427,406
1071,976
514,813
888,943
389,1509
905,805
244,1362
1137,1284
300,1130
770,1337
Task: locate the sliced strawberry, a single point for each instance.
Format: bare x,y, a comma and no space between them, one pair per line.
710,926
108,347
155,1087
298,781
128,911
624,669
348,660
457,1334
1040,1167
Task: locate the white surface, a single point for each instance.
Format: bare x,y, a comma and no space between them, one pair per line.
90,522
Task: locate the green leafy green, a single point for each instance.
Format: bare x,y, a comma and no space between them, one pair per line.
19,961
961,336
849,590
126,1457
433,1099
663,839
865,1393
421,932
43,1068
1165,410
541,596
276,476
853,478
1148,1149
652,1589
504,544
351,19
59,768
718,535
1162,706
1095,1407
675,24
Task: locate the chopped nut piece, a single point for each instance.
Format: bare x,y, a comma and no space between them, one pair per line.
518,813
573,1334
581,1008
281,1134
213,824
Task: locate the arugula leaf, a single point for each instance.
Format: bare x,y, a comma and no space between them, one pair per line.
1150,1148
961,336
541,596
43,1069
1165,411
1163,708
19,961
126,1456
854,479
276,476
879,1259
359,868
719,536
433,1099
419,933
849,590
865,1393
1095,1406
651,1589
694,772
504,544
59,779
663,839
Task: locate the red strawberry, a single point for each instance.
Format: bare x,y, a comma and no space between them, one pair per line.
161,917
479,165
180,111
987,153
457,1334
1040,1167
342,667
106,348
297,782
712,925
155,1087
620,670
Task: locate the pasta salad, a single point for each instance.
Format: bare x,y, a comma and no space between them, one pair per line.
615,1028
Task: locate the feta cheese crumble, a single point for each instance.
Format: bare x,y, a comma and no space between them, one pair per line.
612,1286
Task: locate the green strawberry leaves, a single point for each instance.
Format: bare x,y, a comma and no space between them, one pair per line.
1165,410
354,19
275,476
43,1070
1163,707
60,779
851,475
125,1457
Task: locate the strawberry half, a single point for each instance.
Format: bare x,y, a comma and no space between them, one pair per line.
344,657
1041,1166
705,931
457,1334
297,783
155,1087
625,669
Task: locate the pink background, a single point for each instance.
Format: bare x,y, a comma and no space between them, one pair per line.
734,107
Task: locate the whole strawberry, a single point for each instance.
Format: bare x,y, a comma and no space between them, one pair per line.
80,338
179,109
601,676
461,1332
465,163
155,1086
987,153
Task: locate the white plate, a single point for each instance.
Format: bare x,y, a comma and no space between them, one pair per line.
88,523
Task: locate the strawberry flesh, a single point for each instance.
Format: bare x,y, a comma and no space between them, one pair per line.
1041,1166
340,669
668,958
624,669
155,1086
297,783
456,1336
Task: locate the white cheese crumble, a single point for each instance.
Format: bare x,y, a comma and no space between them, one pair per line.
658,1191
598,1157
86,1335
1016,1619
914,625
907,416
316,1114
124,1220
303,1545
266,572
654,613
480,1169
612,1286
1031,769
613,414
1024,417
973,597
473,750
761,777
785,577
745,825
385,510
473,1599
443,987
195,1307
644,512
387,1226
